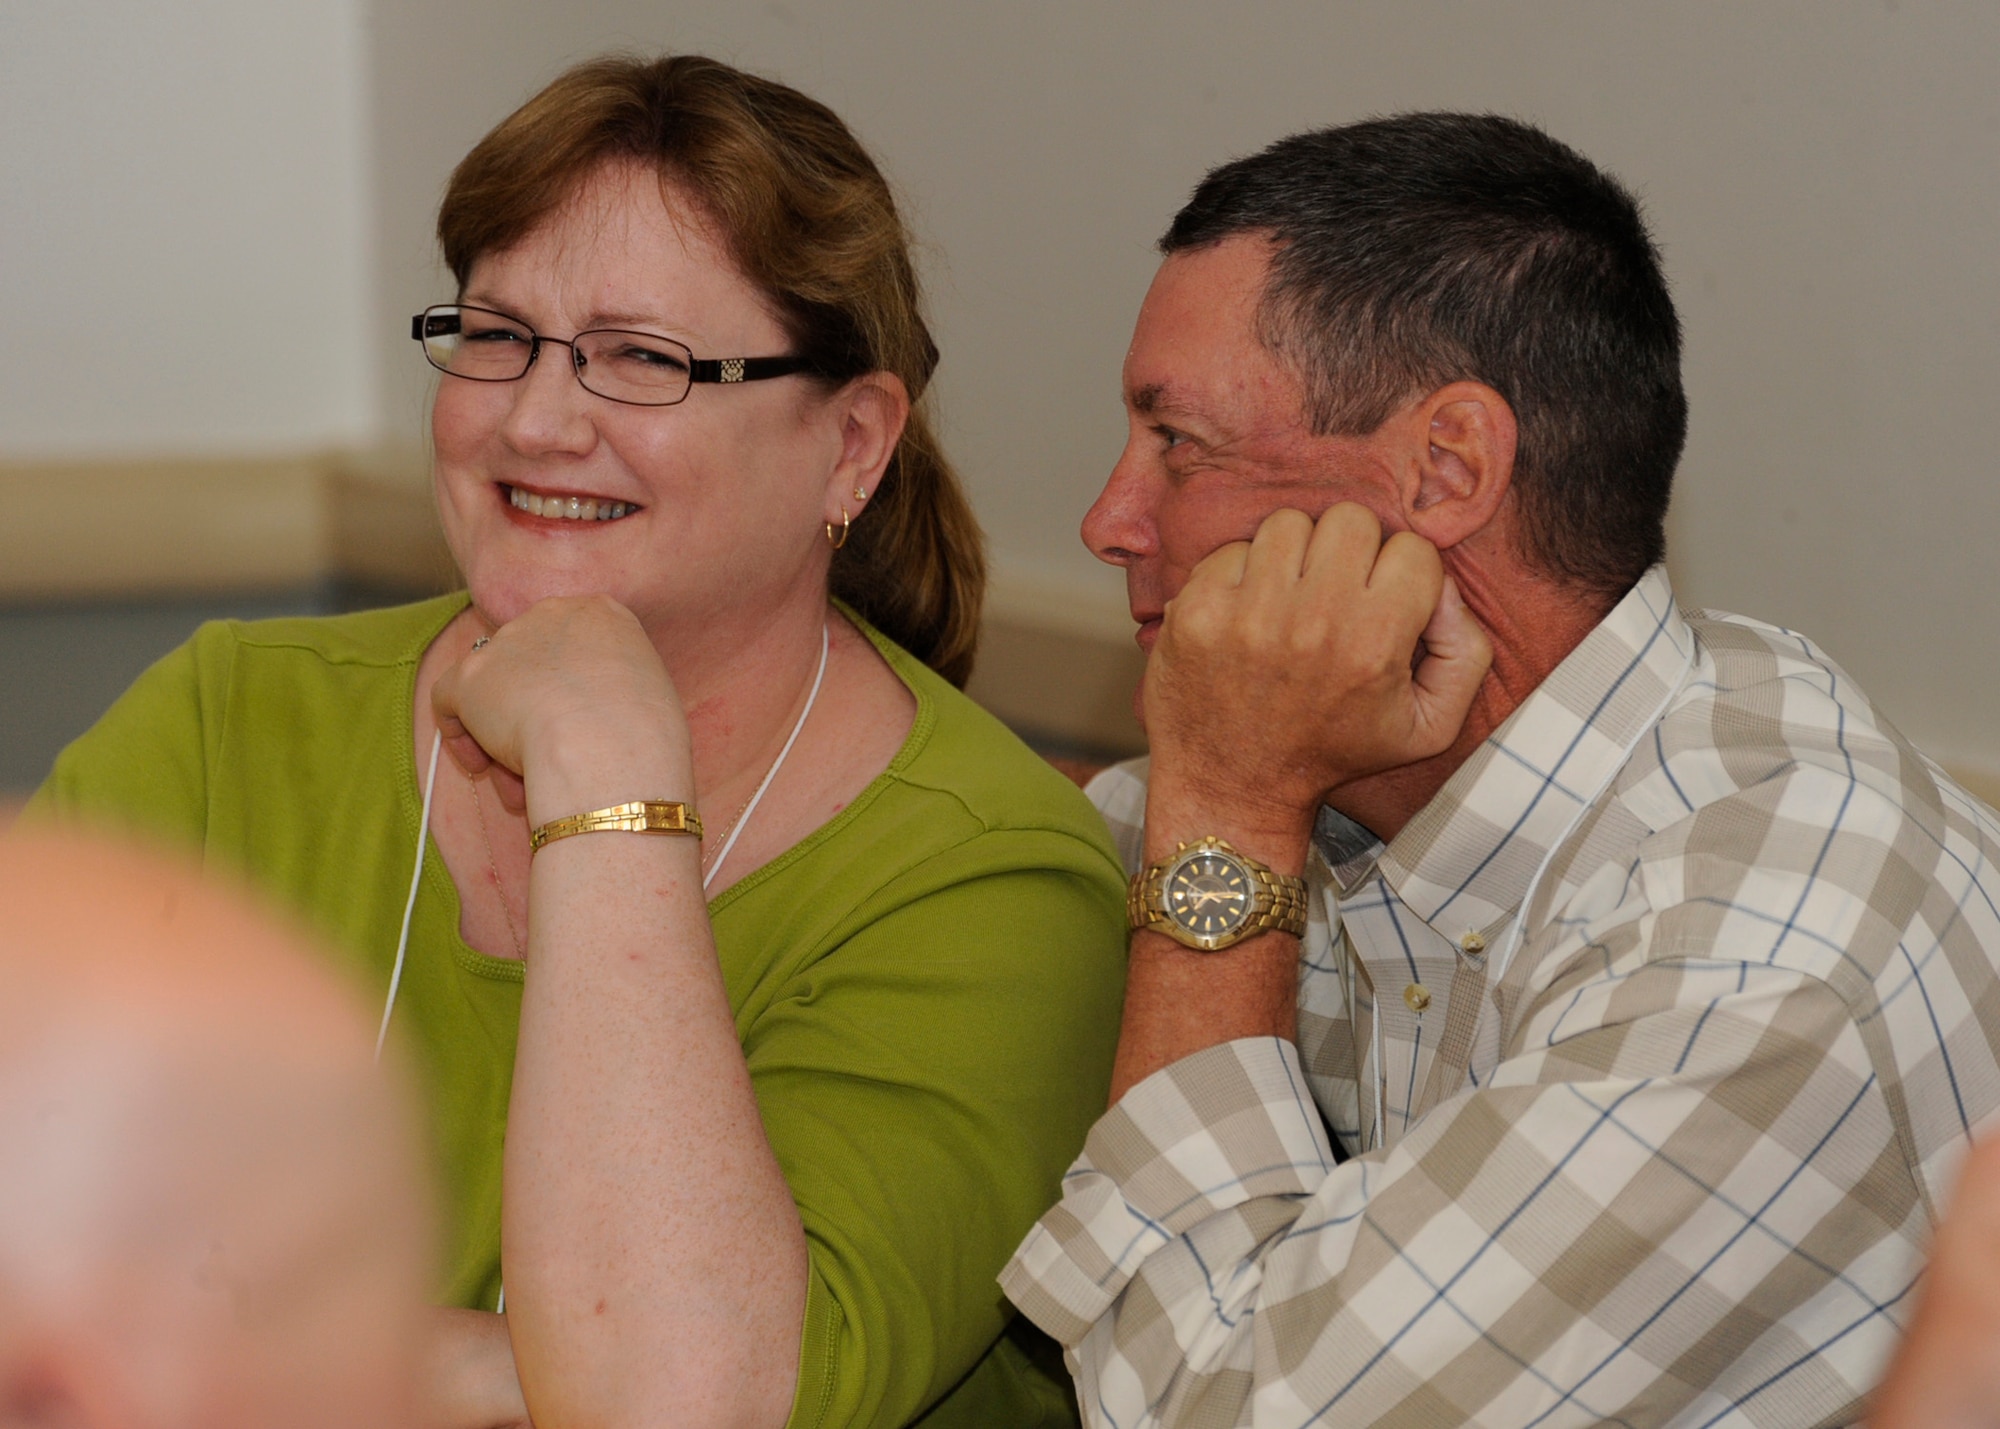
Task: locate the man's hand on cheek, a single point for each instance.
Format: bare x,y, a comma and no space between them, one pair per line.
1288,665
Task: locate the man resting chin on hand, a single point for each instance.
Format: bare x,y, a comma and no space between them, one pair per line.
1546,1007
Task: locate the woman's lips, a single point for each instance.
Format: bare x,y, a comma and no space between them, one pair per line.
552,506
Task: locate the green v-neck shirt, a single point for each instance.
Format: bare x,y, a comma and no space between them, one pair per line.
926,989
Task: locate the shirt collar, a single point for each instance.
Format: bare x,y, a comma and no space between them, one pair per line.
1465,861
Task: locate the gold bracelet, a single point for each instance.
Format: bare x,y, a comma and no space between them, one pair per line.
642,816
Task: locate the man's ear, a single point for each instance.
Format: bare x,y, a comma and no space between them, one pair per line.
1459,448
872,412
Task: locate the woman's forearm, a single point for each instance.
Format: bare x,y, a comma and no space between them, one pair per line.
655,1263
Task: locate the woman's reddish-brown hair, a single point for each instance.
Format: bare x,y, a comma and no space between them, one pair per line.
810,221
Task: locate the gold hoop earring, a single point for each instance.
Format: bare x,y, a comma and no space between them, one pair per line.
837,541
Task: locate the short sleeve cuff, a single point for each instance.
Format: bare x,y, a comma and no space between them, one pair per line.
1229,1124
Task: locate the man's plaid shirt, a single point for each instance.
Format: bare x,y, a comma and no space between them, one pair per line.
1675,1163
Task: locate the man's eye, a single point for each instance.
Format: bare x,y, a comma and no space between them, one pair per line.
1169,438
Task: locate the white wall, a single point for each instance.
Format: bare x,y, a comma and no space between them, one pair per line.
1824,177
177,183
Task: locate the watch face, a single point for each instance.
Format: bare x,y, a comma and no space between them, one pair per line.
1208,894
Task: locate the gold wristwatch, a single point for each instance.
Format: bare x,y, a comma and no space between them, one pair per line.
1207,896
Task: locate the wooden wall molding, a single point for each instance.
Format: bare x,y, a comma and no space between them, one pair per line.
383,526
1066,688
76,530
182,525
1056,659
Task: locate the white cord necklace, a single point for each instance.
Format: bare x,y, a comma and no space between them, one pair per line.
825,644
410,906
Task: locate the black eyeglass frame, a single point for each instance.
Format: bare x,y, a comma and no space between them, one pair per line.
725,371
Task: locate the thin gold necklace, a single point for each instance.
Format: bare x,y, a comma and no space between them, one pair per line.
722,839
493,867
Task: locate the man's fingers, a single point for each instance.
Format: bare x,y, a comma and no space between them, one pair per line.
1346,541
1408,577
1220,569
1457,656
1206,597
1452,633
1278,552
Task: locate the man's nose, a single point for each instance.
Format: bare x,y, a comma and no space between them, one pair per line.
1120,527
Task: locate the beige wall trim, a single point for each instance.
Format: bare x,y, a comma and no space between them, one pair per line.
104,529
1057,658
1981,781
1056,661
1058,685
108,529
383,525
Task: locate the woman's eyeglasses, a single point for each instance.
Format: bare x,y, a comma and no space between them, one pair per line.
641,368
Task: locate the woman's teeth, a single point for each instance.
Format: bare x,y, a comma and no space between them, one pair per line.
567,508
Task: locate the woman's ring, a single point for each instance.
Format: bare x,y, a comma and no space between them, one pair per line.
482,640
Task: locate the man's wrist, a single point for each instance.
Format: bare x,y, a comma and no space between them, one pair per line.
1273,834
1179,1001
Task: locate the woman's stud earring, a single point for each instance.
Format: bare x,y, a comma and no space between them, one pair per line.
860,493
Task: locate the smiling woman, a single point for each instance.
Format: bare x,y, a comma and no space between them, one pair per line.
764,1077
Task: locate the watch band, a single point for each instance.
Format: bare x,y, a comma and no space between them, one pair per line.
641,816
1278,903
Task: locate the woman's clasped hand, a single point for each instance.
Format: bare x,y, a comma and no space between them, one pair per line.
575,690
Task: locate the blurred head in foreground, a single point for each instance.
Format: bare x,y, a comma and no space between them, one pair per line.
209,1197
